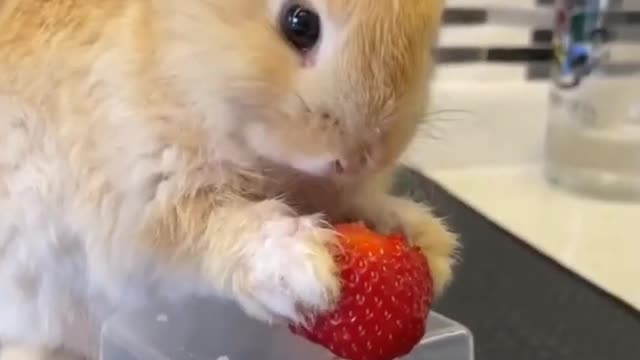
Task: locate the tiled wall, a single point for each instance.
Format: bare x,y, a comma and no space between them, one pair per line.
507,40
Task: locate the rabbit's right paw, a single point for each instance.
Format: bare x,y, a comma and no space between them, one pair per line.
290,270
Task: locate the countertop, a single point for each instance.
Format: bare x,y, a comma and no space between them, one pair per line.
483,143
518,303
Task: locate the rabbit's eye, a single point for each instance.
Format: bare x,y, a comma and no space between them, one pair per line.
301,27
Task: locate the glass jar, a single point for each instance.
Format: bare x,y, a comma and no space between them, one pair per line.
593,132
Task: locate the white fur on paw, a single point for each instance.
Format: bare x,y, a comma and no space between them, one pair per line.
292,269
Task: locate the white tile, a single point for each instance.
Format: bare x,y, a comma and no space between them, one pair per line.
520,4
485,35
480,72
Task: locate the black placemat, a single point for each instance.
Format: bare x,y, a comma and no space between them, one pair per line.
519,304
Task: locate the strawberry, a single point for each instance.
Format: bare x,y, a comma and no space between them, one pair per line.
387,292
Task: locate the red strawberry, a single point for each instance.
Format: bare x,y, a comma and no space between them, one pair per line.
386,295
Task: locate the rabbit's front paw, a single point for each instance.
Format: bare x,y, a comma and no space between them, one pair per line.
392,214
290,270
429,233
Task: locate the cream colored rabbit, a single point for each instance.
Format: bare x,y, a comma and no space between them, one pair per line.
173,147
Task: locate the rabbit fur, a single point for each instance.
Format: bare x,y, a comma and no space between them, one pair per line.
165,148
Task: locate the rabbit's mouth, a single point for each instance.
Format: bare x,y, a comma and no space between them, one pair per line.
330,167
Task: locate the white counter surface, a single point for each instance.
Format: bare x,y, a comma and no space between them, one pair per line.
490,157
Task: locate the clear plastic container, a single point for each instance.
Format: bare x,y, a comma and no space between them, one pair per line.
212,330
593,136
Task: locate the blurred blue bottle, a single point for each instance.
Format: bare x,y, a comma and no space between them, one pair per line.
593,132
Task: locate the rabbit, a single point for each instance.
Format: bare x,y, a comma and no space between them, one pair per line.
173,148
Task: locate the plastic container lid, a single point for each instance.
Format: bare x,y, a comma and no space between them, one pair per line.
201,329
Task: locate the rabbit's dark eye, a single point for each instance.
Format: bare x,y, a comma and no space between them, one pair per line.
301,27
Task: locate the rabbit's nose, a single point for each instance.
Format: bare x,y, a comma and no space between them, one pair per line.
350,166
338,167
